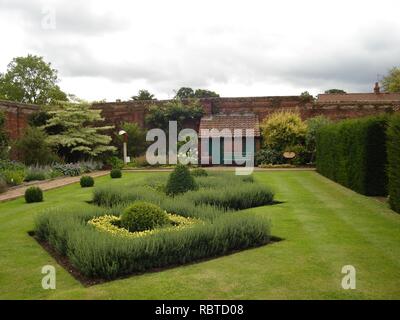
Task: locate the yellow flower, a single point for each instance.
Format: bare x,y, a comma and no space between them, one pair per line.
107,223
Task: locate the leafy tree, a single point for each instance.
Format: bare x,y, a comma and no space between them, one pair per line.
137,143
335,91
144,95
391,82
33,147
4,141
306,97
78,136
189,93
159,116
283,129
31,80
202,93
184,93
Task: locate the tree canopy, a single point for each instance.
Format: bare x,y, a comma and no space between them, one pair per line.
160,115
31,80
144,95
391,82
78,136
335,91
189,93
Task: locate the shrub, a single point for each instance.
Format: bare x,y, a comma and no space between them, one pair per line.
3,185
393,169
199,172
236,197
98,254
143,216
353,153
13,177
137,143
140,161
36,173
33,194
302,155
68,169
115,173
180,181
283,129
269,156
115,163
86,181
33,149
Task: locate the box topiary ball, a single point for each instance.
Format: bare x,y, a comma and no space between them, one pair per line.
143,216
115,173
33,194
87,182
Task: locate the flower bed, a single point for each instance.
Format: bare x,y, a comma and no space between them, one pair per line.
99,247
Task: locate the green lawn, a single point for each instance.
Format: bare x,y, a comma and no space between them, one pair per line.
325,227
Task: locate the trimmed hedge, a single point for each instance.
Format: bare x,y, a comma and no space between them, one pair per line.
353,153
393,154
87,182
33,194
115,173
142,216
98,254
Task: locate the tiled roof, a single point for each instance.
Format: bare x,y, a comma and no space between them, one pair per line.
232,122
350,97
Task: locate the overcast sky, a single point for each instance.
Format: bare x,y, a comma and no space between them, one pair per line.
111,49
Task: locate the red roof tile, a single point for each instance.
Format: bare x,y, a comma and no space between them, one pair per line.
231,122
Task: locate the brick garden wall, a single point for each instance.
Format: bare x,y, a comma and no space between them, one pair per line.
17,115
135,111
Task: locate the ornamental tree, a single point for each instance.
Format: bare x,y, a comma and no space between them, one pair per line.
283,129
77,134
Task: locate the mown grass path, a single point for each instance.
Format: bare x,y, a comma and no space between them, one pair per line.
325,227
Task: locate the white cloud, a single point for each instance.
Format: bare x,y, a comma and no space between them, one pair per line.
111,49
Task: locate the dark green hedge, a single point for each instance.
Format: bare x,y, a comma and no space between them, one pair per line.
353,153
393,154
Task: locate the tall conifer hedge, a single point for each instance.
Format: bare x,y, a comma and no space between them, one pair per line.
353,153
393,153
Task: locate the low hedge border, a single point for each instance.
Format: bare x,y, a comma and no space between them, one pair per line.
100,255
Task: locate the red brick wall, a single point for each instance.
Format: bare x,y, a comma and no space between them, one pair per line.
134,111
118,112
17,115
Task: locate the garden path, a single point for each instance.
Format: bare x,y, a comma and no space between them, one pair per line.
17,192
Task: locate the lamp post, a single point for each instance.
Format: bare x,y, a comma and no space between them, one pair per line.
125,145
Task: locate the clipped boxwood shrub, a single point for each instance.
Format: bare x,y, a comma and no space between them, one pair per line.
143,216
353,153
199,172
33,194
87,181
180,181
393,154
116,173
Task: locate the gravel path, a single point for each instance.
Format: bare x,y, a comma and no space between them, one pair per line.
17,192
